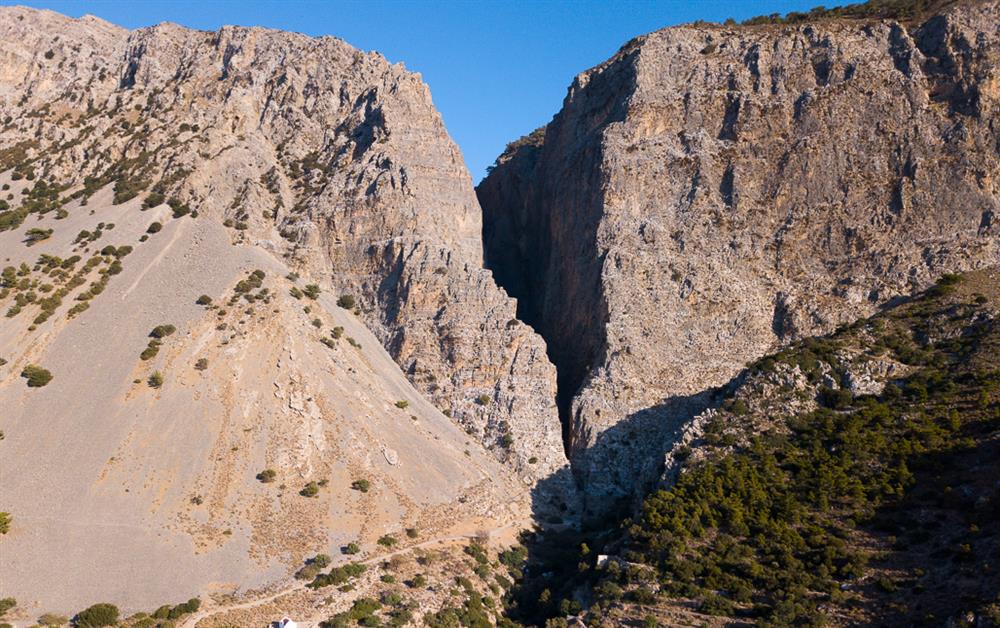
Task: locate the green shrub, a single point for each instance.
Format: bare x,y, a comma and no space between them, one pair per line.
150,351
162,331
387,540
204,300
350,549
6,603
337,332
5,520
33,235
361,485
483,400
51,619
154,227
311,290
310,490
402,404
267,476
155,380
201,364
153,199
97,615
347,302
836,399
36,376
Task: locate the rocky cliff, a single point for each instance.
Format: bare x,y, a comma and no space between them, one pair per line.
332,159
245,321
712,192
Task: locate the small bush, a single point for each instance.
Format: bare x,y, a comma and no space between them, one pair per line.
34,235
204,300
402,404
835,399
387,540
201,364
310,490
97,615
361,485
150,351
51,619
311,290
154,228
5,520
155,380
483,400
154,199
346,301
350,549
268,475
337,332
36,376
162,331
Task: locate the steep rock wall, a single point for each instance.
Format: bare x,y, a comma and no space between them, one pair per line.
711,192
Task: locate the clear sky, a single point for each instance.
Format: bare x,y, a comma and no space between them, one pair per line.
497,70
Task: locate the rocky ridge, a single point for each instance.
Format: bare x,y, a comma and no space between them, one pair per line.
713,192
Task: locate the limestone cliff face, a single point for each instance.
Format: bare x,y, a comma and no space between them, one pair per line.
323,155
712,192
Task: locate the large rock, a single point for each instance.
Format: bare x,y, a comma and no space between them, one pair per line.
711,192
334,159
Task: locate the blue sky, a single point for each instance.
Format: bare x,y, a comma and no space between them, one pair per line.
497,70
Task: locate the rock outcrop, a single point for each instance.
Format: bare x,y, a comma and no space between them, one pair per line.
328,157
250,261
712,192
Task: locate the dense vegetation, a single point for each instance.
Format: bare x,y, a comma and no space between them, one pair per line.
905,10
856,509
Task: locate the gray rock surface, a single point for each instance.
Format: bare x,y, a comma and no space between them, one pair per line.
712,192
334,159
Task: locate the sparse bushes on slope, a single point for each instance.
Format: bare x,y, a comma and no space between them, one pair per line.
873,9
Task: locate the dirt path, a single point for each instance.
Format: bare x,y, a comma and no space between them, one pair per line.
192,621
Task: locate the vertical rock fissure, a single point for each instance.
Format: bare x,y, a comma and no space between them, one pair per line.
548,260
